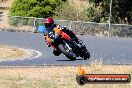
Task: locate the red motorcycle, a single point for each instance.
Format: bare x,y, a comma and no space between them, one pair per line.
61,41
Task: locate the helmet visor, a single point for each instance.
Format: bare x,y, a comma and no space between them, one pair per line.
48,25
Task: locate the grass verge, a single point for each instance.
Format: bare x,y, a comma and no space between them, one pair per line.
58,77
8,53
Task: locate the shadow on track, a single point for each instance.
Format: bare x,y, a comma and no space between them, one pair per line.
69,60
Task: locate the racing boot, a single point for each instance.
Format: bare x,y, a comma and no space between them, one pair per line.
56,52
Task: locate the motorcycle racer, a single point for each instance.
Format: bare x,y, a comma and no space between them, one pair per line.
49,25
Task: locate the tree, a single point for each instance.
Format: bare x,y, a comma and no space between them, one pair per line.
69,12
35,8
121,10
95,2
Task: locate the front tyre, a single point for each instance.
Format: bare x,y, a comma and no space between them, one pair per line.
69,54
84,52
86,55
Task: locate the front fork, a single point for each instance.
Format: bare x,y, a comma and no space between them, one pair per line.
69,48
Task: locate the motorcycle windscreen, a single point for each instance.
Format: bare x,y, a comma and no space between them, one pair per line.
41,29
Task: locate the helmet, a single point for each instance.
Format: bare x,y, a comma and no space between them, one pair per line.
48,22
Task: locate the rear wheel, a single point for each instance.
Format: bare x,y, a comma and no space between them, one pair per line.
68,53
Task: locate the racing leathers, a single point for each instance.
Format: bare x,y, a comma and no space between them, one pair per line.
50,33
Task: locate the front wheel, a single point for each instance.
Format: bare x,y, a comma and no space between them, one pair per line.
68,53
86,55
84,52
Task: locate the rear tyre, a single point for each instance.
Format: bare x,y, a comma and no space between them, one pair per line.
69,54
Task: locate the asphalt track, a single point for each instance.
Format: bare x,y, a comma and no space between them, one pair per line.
110,50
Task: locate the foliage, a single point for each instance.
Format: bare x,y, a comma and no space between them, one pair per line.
60,9
121,10
32,8
90,11
19,21
12,21
91,1
69,12
35,8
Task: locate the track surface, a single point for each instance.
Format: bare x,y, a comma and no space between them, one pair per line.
110,50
